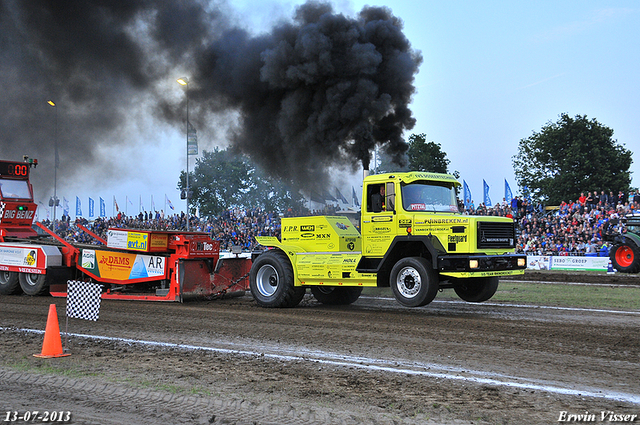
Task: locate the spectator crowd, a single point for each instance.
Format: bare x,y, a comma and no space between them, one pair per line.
573,228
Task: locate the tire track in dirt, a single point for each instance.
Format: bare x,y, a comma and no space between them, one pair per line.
430,370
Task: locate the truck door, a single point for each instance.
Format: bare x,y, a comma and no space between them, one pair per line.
379,221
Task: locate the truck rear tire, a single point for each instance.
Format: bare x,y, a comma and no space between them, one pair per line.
625,258
413,281
33,284
9,284
271,281
336,295
476,290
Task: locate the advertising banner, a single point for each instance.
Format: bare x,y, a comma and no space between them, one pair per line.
124,239
29,259
123,266
570,263
14,256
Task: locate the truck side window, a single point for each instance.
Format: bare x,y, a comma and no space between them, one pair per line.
376,201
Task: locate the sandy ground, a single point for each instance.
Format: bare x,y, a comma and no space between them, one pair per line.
374,362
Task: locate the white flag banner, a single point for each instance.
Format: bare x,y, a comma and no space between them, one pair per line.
83,300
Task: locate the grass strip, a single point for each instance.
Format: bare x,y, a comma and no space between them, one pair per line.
551,294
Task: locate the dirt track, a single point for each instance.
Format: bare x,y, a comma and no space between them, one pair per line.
373,362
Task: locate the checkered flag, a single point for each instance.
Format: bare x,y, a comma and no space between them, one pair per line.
83,300
2,207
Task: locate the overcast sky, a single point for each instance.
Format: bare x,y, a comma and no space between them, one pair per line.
493,73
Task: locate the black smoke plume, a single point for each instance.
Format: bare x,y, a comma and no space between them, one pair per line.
319,91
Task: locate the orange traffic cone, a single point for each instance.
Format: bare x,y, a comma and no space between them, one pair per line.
52,345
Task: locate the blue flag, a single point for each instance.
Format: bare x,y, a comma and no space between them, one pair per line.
467,195
91,207
508,196
316,197
487,200
340,197
103,208
354,197
65,206
78,207
527,194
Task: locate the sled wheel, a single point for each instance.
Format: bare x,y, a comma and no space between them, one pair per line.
271,281
33,283
336,295
413,281
478,289
9,283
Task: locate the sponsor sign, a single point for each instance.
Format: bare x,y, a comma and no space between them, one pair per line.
122,265
14,256
17,214
547,262
158,241
122,239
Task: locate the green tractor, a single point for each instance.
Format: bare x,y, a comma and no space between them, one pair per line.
624,233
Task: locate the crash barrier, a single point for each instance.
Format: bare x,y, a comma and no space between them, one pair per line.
572,263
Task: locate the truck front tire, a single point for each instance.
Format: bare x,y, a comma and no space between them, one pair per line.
476,290
625,258
336,295
9,284
413,281
271,281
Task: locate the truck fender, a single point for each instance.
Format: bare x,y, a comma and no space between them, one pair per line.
273,242
631,236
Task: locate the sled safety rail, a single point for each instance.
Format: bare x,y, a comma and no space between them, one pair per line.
69,252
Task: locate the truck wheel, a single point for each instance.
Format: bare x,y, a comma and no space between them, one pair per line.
336,295
271,281
9,284
625,258
33,283
413,282
478,289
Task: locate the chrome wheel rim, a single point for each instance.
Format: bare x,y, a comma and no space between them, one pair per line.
408,282
267,280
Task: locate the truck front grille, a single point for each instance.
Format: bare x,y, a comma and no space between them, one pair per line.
493,235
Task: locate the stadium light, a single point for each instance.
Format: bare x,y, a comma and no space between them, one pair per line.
55,168
184,81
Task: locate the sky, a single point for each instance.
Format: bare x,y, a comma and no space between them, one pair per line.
493,72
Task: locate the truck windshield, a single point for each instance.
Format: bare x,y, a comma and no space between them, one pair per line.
429,196
14,189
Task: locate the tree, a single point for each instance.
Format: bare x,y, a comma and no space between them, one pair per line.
571,156
222,180
270,194
217,181
426,156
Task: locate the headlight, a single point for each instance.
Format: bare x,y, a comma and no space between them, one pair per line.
473,264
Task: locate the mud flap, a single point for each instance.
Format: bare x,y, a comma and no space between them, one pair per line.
232,275
57,277
195,279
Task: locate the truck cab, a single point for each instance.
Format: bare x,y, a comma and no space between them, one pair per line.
413,238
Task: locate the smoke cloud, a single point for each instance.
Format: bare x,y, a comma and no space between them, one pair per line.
318,91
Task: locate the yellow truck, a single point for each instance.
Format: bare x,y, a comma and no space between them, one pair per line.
412,238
